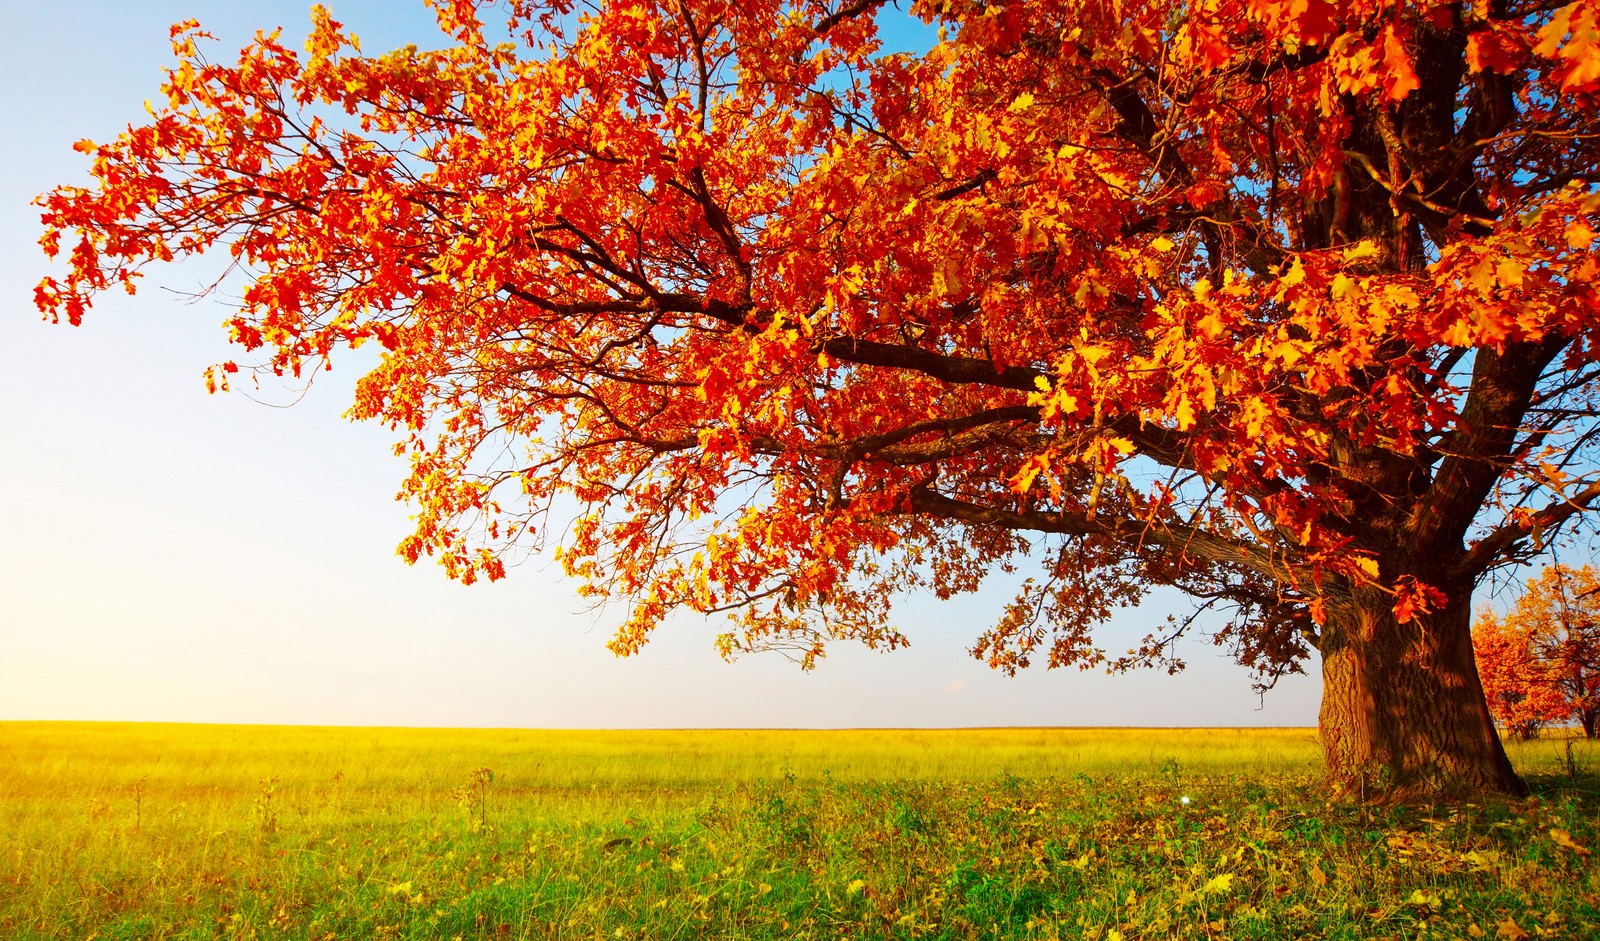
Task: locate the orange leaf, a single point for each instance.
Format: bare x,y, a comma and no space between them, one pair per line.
1399,79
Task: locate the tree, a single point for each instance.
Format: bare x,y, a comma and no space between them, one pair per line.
1542,663
1521,692
1290,305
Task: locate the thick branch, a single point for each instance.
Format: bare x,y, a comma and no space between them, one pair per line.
1494,547
963,370
1193,542
1503,387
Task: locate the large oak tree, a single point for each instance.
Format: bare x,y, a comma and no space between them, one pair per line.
1289,304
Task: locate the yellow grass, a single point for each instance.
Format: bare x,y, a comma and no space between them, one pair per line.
97,757
177,831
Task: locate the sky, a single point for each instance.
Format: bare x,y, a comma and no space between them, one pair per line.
168,555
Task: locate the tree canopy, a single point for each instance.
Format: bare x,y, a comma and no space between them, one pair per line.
1540,663
1521,688
1289,304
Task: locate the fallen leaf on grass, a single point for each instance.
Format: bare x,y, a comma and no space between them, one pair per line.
1220,883
1564,839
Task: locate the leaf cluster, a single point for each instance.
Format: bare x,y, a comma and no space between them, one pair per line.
1270,302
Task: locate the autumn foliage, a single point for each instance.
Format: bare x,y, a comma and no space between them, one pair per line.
1520,688
1289,305
1541,663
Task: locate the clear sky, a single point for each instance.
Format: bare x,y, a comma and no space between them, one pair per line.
169,555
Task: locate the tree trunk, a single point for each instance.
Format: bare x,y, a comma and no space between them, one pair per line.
1588,717
1403,712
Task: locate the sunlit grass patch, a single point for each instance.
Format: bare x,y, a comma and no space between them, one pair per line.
138,831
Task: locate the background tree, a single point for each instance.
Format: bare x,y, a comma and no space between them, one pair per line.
1521,690
1289,305
1545,655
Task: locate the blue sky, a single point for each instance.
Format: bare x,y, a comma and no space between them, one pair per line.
169,555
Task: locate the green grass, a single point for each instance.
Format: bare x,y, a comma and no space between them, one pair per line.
169,831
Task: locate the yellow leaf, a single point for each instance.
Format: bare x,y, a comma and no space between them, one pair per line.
1163,244
1184,413
1368,566
1554,33
856,886
1564,839
1025,476
1482,276
947,280
1093,354
1507,929
1022,103
1366,248
1221,883
1290,351
1318,876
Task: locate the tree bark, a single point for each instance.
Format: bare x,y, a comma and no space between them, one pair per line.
1403,712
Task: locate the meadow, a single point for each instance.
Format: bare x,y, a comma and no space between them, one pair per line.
138,831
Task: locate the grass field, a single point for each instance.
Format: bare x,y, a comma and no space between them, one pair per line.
112,831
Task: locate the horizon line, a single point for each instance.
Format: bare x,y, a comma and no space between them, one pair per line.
697,728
